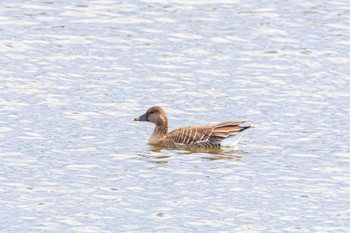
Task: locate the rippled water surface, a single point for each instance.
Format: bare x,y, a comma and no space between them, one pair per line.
74,74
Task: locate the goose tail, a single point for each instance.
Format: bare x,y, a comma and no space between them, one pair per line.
230,132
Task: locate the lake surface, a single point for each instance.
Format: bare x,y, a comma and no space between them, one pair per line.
74,74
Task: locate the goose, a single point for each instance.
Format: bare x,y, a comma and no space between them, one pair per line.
226,134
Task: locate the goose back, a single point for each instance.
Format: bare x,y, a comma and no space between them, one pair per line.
207,137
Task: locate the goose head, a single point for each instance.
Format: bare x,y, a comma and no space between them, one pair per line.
155,115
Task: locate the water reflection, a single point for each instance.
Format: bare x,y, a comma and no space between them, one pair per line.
223,157
212,154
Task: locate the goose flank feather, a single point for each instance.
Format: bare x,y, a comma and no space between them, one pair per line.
191,137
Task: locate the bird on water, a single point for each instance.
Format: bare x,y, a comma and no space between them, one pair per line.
226,134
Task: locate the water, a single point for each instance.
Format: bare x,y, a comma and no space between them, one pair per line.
74,74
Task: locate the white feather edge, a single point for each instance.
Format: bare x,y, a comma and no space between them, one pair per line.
232,141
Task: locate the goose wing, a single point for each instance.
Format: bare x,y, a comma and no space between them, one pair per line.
206,136
192,134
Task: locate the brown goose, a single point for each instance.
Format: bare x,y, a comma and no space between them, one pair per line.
206,137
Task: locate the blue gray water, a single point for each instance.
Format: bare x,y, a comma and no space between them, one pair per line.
74,74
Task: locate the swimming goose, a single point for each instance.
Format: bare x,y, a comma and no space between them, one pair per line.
205,137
